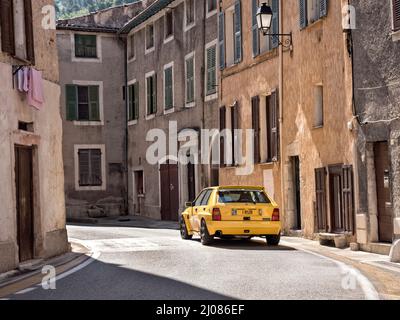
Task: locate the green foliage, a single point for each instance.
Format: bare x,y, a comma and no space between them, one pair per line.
74,8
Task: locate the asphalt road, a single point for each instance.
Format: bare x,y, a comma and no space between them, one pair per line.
157,264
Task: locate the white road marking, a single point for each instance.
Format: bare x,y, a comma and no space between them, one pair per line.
26,290
366,286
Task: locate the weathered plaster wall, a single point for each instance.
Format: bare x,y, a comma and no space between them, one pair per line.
319,57
203,114
110,71
252,77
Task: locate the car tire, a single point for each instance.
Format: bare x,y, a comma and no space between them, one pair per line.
273,240
206,238
184,232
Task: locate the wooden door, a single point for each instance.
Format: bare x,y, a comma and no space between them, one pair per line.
297,194
24,197
385,211
335,196
169,192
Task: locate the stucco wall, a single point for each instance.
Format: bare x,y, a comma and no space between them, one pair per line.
110,71
319,57
202,115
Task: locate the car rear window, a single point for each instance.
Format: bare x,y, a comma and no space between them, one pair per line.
242,196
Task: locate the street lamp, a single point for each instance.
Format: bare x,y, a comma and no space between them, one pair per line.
264,21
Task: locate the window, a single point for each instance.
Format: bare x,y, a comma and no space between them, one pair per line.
206,198
272,125
189,14
133,96
169,87
151,94
90,168
139,182
17,29
396,15
242,196
211,69
231,35
211,6
85,46
131,47
83,103
168,25
149,37
318,106
199,199
311,11
190,80
263,43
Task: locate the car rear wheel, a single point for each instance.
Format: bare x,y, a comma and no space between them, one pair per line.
206,238
273,240
184,232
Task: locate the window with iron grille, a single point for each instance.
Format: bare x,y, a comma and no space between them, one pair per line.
90,173
85,46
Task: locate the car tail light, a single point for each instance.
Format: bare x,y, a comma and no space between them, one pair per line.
216,214
276,215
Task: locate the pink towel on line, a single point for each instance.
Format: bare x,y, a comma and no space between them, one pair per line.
35,93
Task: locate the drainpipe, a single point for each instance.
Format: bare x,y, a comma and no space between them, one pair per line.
282,168
124,42
203,89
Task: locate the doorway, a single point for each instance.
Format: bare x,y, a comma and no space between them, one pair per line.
24,201
169,181
385,210
297,192
335,199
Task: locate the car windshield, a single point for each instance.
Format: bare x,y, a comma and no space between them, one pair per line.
242,196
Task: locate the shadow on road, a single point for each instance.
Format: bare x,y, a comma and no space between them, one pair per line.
240,244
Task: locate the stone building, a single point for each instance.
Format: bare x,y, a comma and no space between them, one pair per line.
32,218
376,45
171,79
92,77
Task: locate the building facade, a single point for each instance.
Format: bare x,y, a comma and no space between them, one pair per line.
92,69
32,219
377,108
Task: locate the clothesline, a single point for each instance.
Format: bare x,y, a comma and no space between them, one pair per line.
30,82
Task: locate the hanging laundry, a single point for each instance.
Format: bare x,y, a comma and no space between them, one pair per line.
35,89
26,79
20,80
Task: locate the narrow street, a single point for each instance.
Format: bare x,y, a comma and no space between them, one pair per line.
134,263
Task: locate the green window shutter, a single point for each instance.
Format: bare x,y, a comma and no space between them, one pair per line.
189,80
275,23
94,105
238,32
154,85
136,101
71,102
323,8
254,29
221,39
130,103
211,70
303,13
149,95
84,167
168,90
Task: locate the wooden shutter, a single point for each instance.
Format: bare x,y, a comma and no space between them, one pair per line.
303,13
235,137
154,91
274,118
189,80
255,106
149,95
348,198
30,43
95,167
71,102
130,103
94,105
238,32
221,39
136,101
7,26
254,29
222,127
84,167
275,23
396,15
168,90
320,206
323,8
211,70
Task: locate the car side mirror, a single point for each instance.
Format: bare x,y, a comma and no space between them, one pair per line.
189,204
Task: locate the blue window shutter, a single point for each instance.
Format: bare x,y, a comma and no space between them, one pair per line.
221,37
238,32
323,8
254,29
275,23
303,13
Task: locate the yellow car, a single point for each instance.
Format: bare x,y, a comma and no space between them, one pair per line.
227,212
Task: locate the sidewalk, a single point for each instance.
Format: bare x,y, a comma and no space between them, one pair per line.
127,221
30,274
382,273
